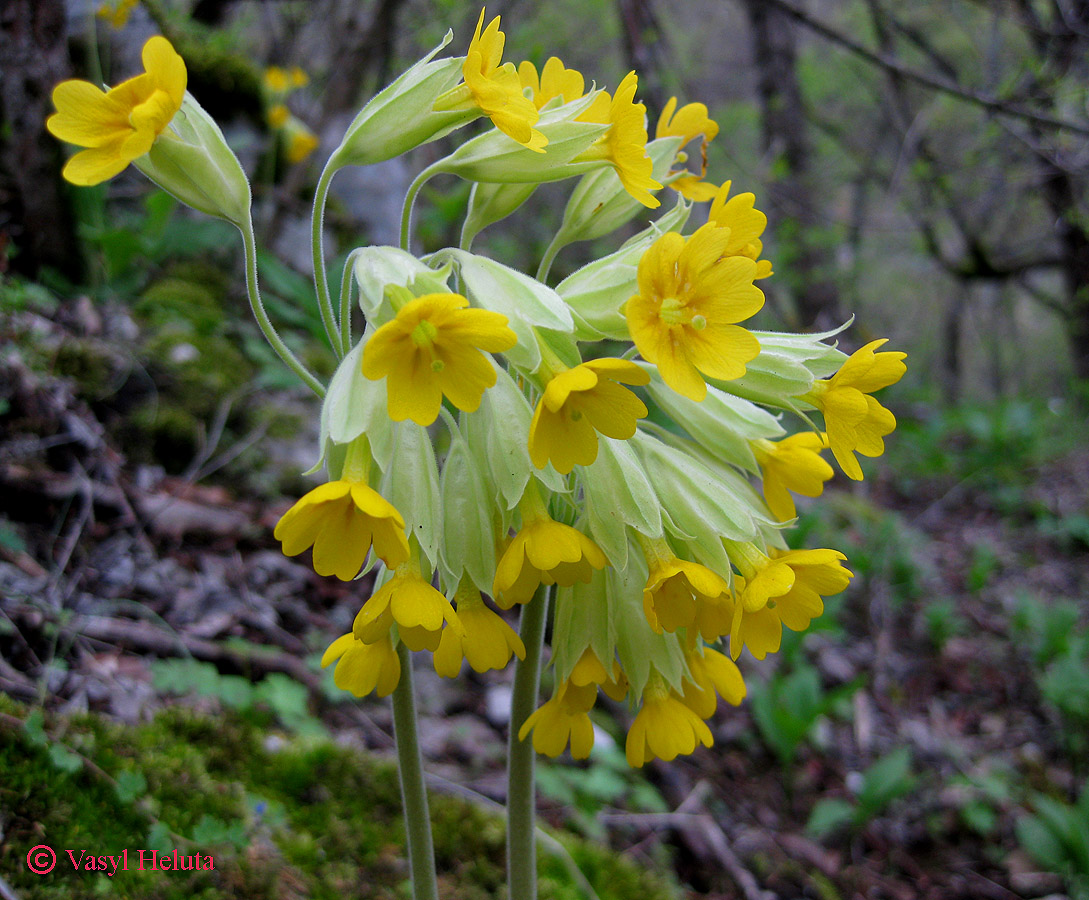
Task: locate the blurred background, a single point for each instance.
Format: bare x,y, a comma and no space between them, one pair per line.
923,168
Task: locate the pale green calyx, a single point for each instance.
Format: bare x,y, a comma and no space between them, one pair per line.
376,268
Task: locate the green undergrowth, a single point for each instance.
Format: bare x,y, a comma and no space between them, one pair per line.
282,817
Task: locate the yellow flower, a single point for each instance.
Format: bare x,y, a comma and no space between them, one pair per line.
578,404
277,116
544,552
121,125
792,464
590,670
363,668
555,81
433,348
689,297
691,121
488,641
116,15
277,80
414,605
299,78
624,145
714,675
300,140
341,520
784,589
495,88
664,727
855,421
563,718
680,594
746,224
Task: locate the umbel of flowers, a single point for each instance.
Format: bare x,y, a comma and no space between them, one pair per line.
480,453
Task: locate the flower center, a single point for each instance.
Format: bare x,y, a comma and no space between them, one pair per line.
424,334
674,311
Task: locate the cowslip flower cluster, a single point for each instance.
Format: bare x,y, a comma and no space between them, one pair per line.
480,454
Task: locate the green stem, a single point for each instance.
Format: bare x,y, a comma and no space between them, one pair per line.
550,254
317,249
346,282
282,350
421,852
521,795
410,200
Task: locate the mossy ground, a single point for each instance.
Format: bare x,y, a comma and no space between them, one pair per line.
283,817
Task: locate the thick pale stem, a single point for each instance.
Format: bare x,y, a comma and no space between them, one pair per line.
317,249
282,350
410,200
521,795
421,851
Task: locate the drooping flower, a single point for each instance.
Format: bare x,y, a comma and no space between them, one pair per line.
690,296
691,121
590,670
746,224
624,145
855,421
363,668
418,609
714,675
664,727
792,464
555,81
544,552
785,588
433,347
679,593
580,403
120,125
342,520
488,641
562,719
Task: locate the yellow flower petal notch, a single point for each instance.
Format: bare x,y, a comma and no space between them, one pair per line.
784,589
689,122
565,718
342,520
590,670
624,145
433,348
714,675
855,421
746,224
580,403
555,80
682,594
690,296
363,668
120,125
488,641
418,609
664,728
792,464
494,88
543,552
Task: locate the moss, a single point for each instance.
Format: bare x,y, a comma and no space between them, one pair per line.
307,819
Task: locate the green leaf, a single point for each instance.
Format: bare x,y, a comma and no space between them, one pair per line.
828,815
131,785
64,759
886,780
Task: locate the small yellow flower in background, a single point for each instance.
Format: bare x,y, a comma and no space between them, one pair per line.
792,464
116,14
664,727
690,296
488,641
589,670
624,145
555,81
714,675
495,88
277,116
341,519
120,125
580,403
855,421
433,347
785,589
299,141
544,552
679,592
563,718
299,78
418,609
746,224
691,121
363,668
277,80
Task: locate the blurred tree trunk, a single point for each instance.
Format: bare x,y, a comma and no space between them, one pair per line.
643,45
808,263
34,213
